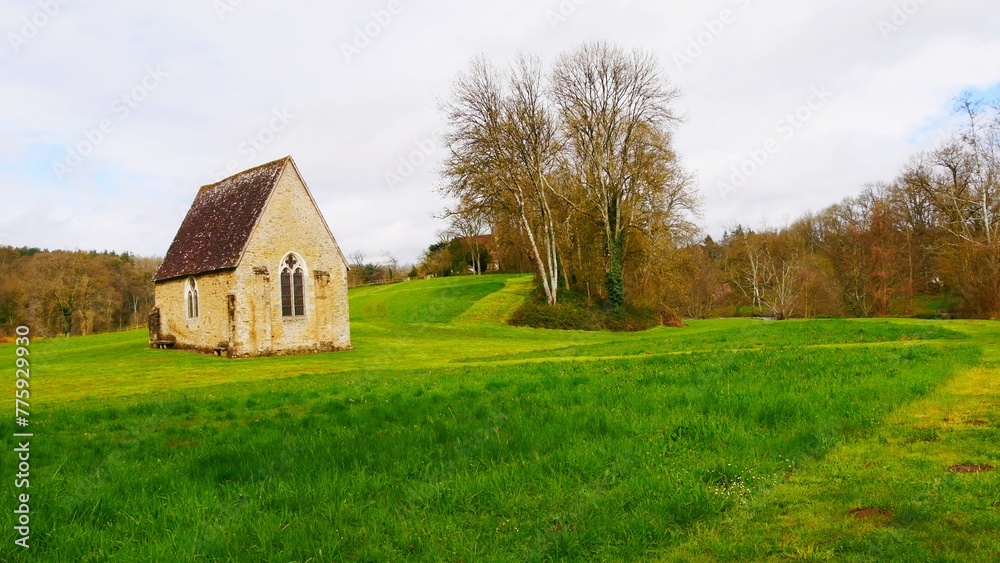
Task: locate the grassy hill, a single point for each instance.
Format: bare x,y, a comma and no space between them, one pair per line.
448,435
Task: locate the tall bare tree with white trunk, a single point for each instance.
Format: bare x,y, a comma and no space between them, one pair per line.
504,150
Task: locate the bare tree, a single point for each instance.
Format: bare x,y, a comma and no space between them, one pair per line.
358,258
782,267
961,181
469,224
391,263
503,151
616,118
745,266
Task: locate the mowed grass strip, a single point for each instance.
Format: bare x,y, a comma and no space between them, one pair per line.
743,334
603,460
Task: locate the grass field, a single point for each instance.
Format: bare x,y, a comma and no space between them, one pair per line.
447,435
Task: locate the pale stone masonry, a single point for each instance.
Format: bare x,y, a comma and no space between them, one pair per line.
253,271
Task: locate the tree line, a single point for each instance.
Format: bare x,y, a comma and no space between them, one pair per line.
365,271
927,242
73,293
573,168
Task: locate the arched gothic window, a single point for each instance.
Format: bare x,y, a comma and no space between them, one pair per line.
191,297
292,292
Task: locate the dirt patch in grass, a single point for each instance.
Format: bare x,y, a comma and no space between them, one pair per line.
970,468
864,513
977,422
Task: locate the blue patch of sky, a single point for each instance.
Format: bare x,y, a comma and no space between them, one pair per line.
945,120
33,165
989,94
93,180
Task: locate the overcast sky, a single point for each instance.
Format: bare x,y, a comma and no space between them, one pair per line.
112,114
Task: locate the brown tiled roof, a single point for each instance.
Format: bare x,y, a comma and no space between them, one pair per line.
221,219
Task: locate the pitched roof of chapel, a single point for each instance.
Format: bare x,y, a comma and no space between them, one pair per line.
218,226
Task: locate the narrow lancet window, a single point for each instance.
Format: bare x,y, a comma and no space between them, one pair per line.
191,296
292,288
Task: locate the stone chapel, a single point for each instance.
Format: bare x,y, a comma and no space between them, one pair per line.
253,271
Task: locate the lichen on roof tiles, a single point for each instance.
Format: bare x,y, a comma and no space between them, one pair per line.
219,223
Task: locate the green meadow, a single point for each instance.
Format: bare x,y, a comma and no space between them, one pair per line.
448,435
